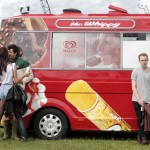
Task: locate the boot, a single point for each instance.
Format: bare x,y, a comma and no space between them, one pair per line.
22,130
7,130
145,141
15,130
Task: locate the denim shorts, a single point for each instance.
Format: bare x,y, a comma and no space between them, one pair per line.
4,88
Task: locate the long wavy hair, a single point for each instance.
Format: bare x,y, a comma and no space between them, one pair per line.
3,59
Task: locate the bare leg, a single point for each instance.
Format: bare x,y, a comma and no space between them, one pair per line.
2,106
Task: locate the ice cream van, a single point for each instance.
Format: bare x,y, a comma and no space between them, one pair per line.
82,65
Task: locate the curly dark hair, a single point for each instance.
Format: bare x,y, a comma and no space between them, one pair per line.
16,49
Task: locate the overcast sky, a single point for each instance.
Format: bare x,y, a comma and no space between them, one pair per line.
12,7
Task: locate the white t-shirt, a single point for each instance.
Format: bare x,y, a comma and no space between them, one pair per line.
7,77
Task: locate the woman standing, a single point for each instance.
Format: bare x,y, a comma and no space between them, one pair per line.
8,75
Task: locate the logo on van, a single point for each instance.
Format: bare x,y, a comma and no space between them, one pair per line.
95,23
69,44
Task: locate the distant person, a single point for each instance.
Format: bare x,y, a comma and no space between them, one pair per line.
8,75
141,93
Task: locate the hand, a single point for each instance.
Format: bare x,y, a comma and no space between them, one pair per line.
148,104
93,61
26,74
141,102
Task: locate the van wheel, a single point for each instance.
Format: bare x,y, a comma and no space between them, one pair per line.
50,124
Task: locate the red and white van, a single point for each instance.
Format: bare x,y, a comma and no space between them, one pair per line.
82,65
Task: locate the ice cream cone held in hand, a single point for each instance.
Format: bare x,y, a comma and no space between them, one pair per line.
92,106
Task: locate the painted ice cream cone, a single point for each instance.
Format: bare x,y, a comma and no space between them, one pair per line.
92,106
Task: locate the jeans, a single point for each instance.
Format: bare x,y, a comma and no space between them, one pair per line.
4,88
138,112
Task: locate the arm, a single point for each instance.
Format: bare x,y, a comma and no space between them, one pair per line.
15,76
135,92
29,78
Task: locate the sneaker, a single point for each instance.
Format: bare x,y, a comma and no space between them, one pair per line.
145,141
139,140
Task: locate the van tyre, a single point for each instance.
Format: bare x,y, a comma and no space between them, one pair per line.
50,124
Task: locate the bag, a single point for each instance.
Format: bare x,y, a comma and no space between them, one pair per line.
16,93
20,97
16,96
19,94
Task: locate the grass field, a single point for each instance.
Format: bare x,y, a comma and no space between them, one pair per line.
79,141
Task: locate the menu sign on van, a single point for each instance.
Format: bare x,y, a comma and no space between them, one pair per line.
96,23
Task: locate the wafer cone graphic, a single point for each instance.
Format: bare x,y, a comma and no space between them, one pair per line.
92,106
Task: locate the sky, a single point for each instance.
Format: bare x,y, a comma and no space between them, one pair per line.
12,7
